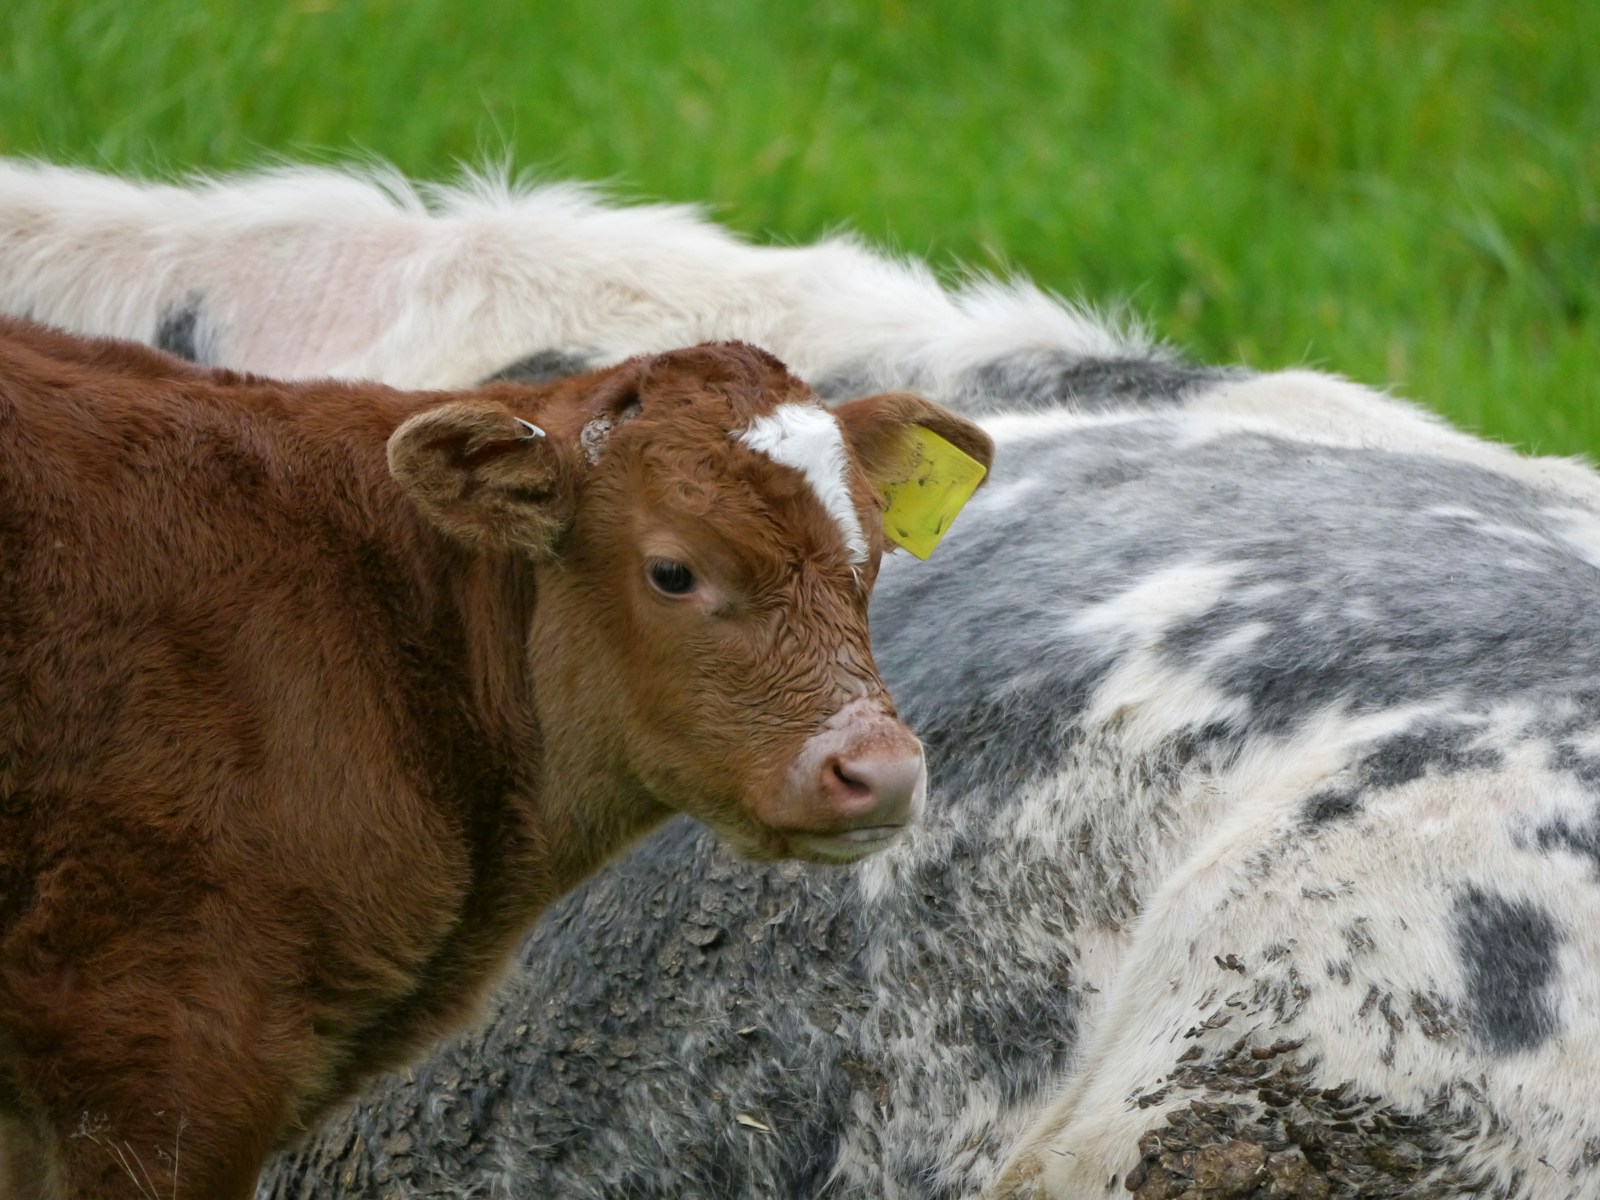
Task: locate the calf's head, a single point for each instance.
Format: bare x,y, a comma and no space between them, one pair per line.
704,535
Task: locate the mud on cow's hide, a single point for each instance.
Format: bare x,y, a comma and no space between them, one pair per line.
1263,722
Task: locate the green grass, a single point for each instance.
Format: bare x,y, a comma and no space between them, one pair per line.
1405,193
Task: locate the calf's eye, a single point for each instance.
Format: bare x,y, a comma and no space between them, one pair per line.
671,578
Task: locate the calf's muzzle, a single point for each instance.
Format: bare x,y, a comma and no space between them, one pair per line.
853,787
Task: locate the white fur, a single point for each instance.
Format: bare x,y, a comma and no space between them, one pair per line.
807,438
439,287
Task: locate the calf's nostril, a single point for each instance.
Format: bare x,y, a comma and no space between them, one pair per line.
849,782
877,790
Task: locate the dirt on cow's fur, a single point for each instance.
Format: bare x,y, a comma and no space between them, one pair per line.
1294,1141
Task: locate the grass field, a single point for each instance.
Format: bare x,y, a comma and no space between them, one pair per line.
1405,193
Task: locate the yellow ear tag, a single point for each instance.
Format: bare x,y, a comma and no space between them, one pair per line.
936,482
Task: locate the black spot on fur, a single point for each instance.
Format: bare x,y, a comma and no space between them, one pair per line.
1586,767
1090,384
1039,380
178,331
1507,949
1581,838
846,383
543,367
1408,756
1331,804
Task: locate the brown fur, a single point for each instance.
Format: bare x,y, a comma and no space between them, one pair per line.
313,696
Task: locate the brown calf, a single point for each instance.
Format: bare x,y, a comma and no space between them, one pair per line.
313,696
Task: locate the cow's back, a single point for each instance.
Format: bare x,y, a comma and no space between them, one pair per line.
167,545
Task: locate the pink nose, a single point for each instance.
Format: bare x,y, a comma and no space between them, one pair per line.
876,787
855,784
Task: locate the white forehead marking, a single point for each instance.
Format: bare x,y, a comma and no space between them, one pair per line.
807,438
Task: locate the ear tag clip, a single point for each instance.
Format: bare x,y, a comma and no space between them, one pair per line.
937,481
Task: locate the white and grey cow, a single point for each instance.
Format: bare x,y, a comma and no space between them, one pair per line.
1262,855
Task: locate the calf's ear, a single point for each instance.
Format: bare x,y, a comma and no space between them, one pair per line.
924,461
876,428
489,479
